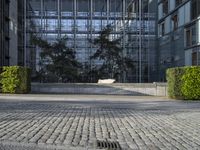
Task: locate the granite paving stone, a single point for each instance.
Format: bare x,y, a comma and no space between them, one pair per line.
136,124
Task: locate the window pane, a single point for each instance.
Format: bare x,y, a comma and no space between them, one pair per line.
67,5
83,5
66,24
188,38
50,5
100,5
194,9
165,7
193,35
194,58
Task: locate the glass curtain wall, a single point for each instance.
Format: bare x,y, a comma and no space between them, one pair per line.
4,33
21,33
81,20
139,41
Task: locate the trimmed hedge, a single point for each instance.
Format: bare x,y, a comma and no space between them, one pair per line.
184,82
15,79
1,70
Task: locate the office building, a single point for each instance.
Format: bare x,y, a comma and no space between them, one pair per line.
12,32
4,32
178,34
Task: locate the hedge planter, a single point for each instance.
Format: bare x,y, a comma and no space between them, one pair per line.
184,83
15,79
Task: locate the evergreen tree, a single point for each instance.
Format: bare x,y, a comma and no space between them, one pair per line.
58,60
110,52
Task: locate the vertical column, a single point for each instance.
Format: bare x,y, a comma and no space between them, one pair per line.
25,28
91,47
115,22
40,31
102,16
75,26
124,34
59,18
148,48
108,11
140,41
41,17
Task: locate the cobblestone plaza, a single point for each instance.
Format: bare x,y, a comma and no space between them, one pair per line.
135,123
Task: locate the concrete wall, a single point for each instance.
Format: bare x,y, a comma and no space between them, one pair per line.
136,89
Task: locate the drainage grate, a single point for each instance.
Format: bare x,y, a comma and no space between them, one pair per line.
111,145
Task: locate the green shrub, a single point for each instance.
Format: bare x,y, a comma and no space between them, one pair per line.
174,82
15,79
184,82
191,84
1,70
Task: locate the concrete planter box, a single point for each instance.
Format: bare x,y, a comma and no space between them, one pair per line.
136,89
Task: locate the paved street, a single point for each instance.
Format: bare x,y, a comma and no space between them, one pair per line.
80,123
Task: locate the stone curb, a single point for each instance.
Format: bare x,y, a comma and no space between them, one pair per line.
60,97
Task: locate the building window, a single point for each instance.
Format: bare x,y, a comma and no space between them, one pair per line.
165,7
162,29
194,35
178,2
194,58
175,22
195,11
188,38
191,36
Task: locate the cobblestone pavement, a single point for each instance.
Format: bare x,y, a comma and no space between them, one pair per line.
28,125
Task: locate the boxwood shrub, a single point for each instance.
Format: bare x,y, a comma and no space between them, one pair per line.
184,82
15,79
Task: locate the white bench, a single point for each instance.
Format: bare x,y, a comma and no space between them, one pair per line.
106,81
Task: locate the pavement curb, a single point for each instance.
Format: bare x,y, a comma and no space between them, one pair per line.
57,97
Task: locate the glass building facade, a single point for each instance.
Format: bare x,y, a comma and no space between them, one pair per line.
81,20
4,33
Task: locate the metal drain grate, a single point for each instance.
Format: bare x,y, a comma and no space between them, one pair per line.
111,145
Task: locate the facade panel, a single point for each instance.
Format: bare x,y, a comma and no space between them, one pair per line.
181,16
171,5
160,11
187,12
168,24
13,33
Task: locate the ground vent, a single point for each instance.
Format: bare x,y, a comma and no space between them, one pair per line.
111,145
